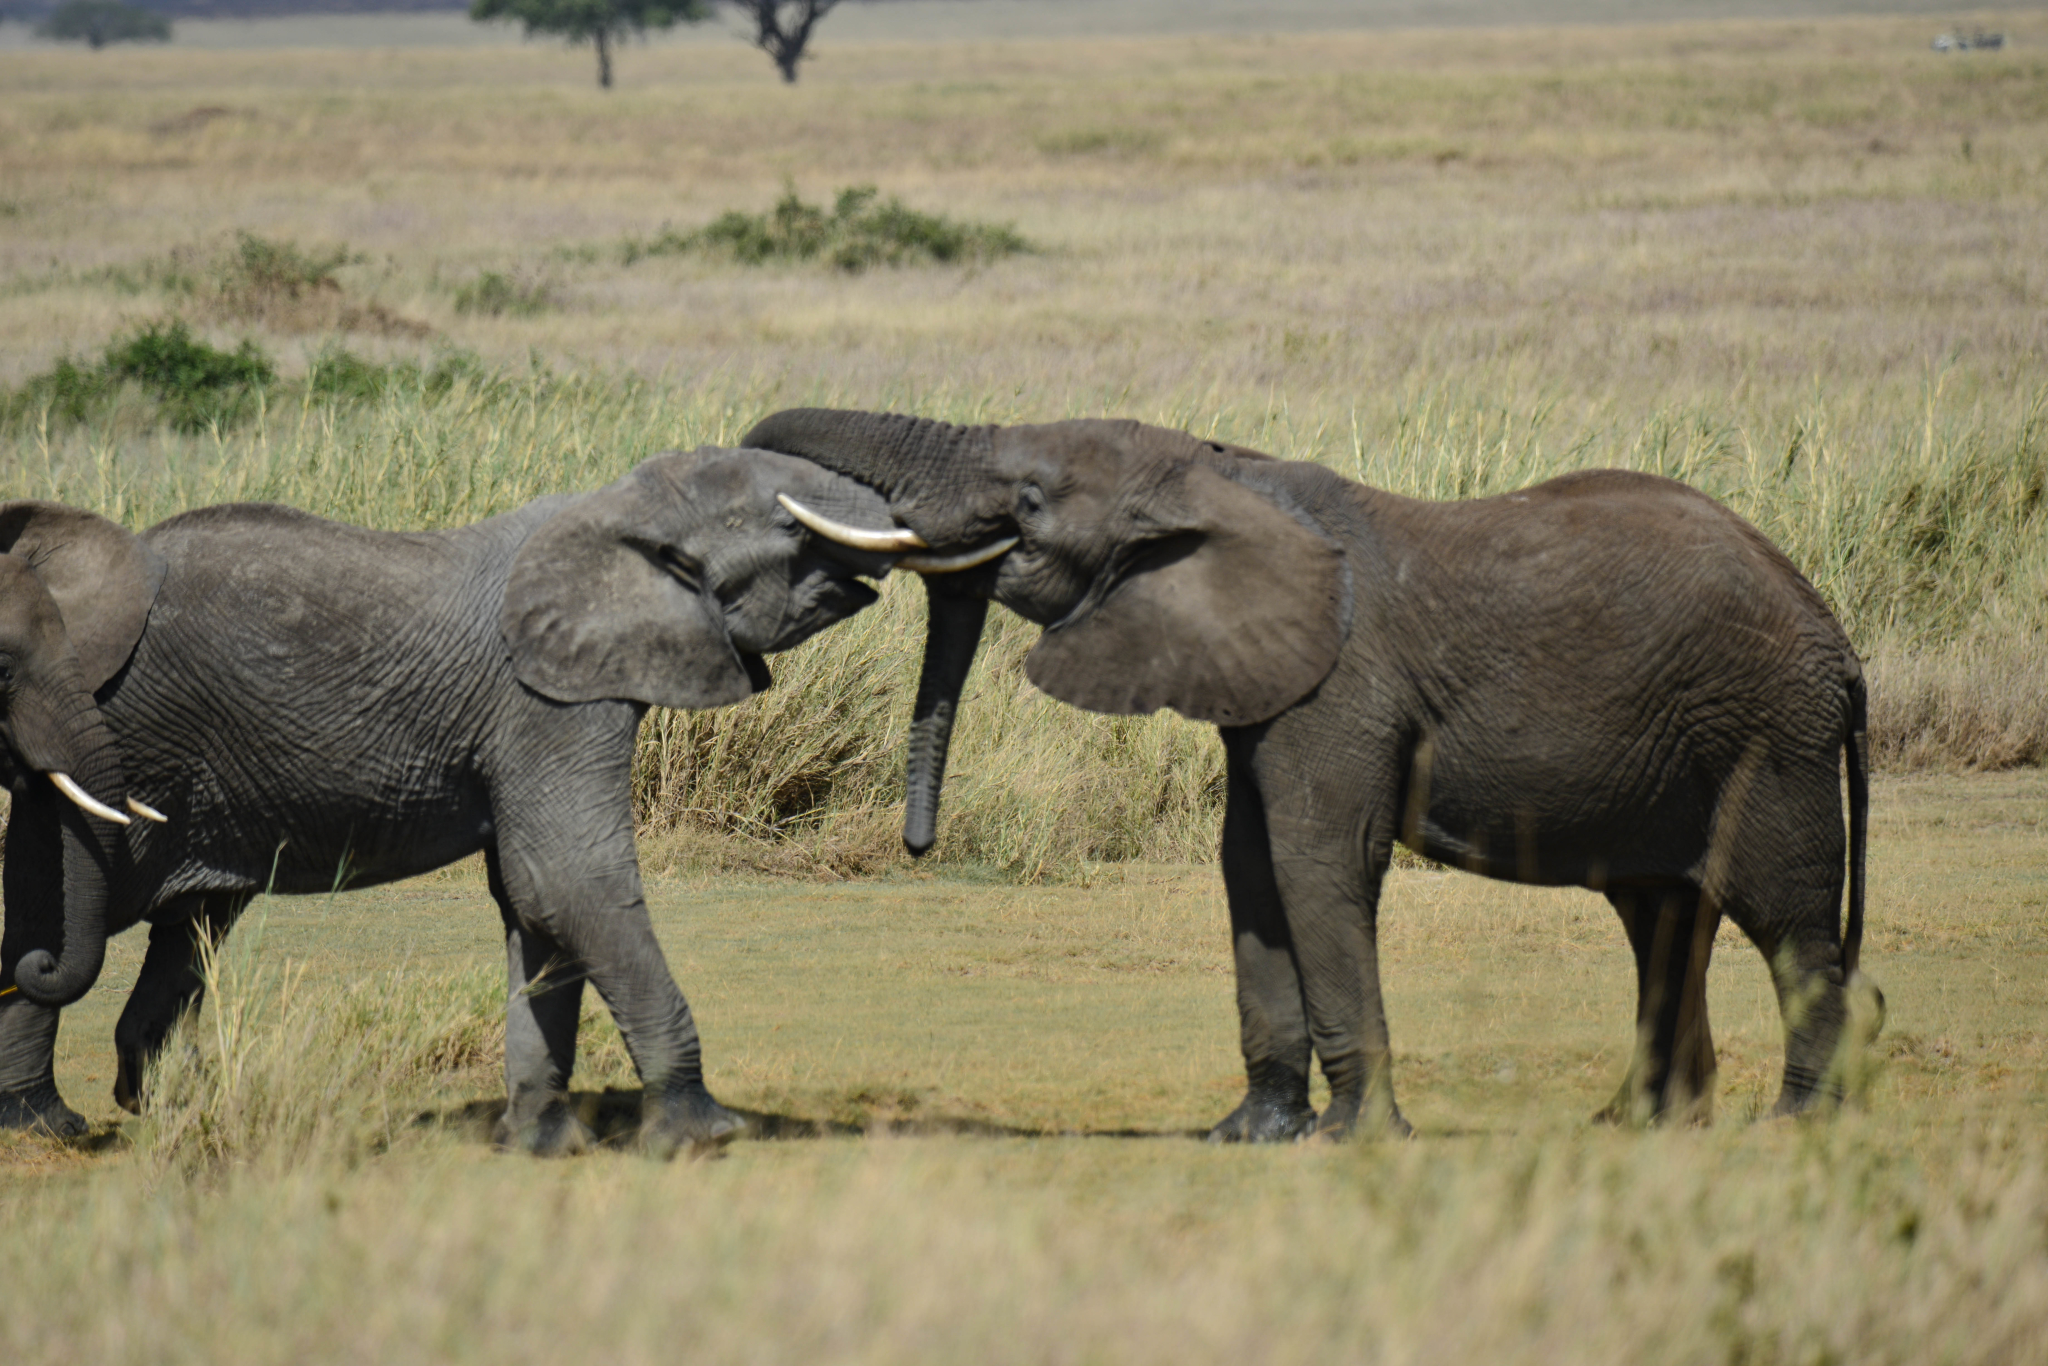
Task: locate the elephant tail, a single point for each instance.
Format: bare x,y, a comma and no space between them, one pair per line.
1857,745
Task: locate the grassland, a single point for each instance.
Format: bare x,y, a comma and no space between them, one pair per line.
980,1101
1798,263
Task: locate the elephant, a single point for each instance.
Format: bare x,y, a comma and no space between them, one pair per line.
54,744
1608,680
309,705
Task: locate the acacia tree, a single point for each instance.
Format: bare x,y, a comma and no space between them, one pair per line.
99,22
782,27
601,23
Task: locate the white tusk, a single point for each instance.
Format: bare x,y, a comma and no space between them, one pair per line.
148,812
892,542
87,800
953,564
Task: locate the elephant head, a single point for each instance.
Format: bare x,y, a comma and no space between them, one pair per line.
75,590
668,586
1164,569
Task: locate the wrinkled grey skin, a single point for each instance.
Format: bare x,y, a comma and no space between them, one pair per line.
313,705
1607,680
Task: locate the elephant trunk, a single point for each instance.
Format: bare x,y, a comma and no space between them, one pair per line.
952,633
90,845
929,471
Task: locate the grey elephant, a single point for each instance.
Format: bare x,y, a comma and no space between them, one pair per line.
306,703
1607,680
56,751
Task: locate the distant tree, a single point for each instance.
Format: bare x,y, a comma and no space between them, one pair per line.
99,22
601,23
782,27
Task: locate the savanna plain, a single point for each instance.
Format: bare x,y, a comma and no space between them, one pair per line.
1797,262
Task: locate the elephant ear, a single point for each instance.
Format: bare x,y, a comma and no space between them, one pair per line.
1231,614
101,575
600,605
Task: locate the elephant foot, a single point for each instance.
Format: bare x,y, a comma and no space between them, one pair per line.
553,1131
1677,1107
687,1120
39,1109
1267,1116
1350,1115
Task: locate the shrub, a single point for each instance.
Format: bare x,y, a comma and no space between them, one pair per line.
196,385
857,233
494,294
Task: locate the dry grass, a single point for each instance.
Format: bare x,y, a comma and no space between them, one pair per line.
1796,263
986,1095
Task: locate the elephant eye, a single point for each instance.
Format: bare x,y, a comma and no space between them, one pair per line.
6,671
1030,503
683,570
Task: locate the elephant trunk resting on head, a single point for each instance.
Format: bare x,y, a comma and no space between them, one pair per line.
1607,680
311,703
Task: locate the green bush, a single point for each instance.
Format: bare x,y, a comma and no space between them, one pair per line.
494,294
193,386
182,383
261,266
855,234
196,386
339,376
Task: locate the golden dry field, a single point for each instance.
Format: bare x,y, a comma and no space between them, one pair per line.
1798,262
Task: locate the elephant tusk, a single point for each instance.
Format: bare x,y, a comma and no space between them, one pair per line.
892,542
953,564
148,812
86,800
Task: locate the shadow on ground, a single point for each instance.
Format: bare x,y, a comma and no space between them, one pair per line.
614,1116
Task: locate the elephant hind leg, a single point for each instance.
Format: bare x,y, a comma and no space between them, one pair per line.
1671,1073
169,985
543,1005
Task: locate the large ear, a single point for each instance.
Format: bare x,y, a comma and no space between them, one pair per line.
1231,615
597,605
100,573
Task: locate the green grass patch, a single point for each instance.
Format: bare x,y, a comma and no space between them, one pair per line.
860,231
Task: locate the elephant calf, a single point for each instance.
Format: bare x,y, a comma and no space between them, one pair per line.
1608,680
302,702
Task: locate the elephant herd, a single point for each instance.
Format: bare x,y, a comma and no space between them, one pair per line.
1607,680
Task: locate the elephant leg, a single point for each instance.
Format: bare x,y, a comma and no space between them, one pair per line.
1780,880
566,864
543,1002
1272,1017
1331,890
32,874
170,984
1671,1075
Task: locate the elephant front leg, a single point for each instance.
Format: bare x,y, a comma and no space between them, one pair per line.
1332,900
169,984
33,880
1671,1073
543,1004
592,908
28,1077
1272,1018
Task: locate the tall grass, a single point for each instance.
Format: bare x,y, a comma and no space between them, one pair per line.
1924,529
256,1219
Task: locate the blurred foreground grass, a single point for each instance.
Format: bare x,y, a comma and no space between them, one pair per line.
979,1105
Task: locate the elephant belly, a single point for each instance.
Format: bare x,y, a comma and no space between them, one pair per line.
312,831
1531,824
